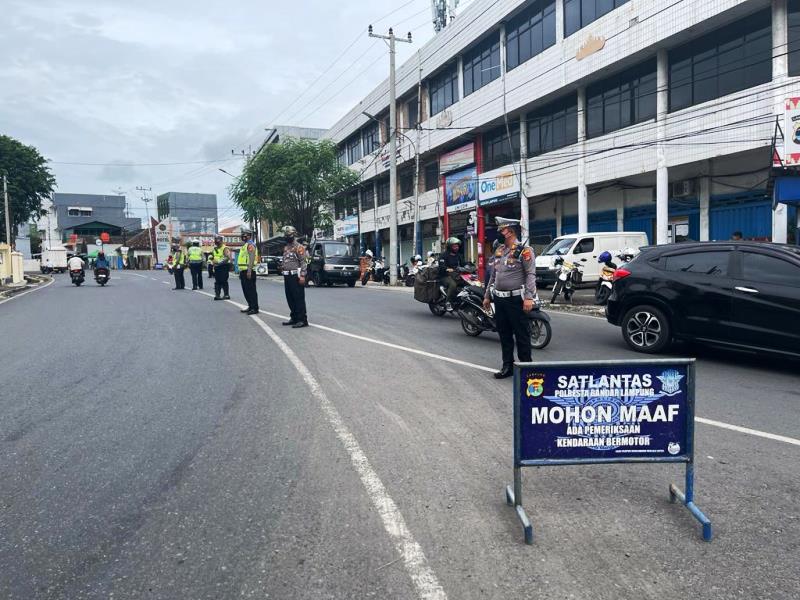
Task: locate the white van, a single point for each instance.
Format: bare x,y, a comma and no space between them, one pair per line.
584,248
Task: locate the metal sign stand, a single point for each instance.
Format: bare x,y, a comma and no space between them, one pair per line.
514,496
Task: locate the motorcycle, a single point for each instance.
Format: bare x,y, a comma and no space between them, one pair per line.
77,276
409,272
475,319
101,276
468,277
377,272
604,282
568,275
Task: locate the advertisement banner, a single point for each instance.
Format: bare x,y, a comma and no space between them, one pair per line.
791,132
498,185
163,240
457,159
461,190
590,411
346,227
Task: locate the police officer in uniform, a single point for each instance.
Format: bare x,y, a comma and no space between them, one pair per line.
221,260
294,278
178,265
512,287
196,264
248,257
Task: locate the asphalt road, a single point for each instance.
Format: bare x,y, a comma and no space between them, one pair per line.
157,444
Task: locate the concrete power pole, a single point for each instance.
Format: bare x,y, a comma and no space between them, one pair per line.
391,39
8,215
147,200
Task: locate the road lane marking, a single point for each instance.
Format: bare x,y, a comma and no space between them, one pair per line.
748,431
737,428
137,275
38,287
424,580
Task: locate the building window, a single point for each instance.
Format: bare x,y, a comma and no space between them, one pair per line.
368,197
553,126
579,13
370,137
725,61
431,176
79,211
406,178
482,64
530,32
383,192
351,203
341,156
412,112
621,100
353,149
794,38
443,89
497,151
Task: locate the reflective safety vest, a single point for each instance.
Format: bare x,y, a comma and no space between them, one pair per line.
195,254
244,255
218,254
178,258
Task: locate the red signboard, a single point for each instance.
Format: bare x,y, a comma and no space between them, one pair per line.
105,237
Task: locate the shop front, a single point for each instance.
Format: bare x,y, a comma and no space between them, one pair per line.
498,196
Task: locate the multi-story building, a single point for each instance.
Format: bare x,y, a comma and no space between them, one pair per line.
582,116
86,216
194,214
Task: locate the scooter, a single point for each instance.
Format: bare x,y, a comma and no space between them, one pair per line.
568,275
468,276
101,276
77,276
604,282
475,319
377,272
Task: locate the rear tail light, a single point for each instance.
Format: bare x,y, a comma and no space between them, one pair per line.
621,273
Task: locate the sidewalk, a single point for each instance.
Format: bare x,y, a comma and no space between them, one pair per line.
32,281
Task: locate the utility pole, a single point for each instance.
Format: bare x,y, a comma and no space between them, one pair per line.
390,40
8,216
147,200
248,156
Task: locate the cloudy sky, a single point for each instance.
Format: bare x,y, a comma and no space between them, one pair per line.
127,86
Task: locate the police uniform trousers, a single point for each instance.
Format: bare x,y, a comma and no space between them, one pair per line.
180,282
296,297
513,324
196,269
249,288
221,274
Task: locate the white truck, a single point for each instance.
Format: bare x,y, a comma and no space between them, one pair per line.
57,255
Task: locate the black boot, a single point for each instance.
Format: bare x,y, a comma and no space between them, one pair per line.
217,298
289,322
300,324
506,371
245,310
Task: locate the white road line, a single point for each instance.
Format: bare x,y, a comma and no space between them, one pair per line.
154,279
748,431
137,275
38,287
463,363
413,556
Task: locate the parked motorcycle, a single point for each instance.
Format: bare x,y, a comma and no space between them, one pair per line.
77,276
475,319
568,276
469,278
377,272
604,282
409,272
102,275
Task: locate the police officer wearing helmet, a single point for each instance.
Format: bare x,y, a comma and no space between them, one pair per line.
512,288
221,260
178,265
294,278
248,257
452,261
196,264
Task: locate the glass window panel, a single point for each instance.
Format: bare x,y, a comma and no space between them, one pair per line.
536,37
604,6
525,44
588,12
594,119
794,38
572,16
701,263
761,268
549,26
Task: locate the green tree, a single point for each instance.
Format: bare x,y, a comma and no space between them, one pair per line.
29,182
292,183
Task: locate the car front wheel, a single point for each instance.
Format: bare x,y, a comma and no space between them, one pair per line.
646,329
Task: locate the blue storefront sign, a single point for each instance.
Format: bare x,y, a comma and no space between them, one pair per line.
461,190
568,413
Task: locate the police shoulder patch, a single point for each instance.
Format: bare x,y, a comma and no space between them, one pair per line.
526,254
300,249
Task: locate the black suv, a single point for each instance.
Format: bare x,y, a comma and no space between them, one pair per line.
743,295
332,262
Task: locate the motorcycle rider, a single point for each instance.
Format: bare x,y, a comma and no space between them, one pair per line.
452,261
76,264
513,286
100,262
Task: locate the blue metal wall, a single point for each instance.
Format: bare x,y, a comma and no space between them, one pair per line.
750,213
603,221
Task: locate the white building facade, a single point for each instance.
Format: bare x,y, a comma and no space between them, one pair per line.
582,116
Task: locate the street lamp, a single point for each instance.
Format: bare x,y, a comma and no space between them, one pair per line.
416,180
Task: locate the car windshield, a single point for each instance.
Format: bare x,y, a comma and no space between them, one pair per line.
557,247
337,250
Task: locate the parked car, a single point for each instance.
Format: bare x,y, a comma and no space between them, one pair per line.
584,248
332,262
741,295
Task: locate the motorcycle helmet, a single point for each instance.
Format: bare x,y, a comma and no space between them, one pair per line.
604,257
417,258
368,253
451,241
627,254
218,238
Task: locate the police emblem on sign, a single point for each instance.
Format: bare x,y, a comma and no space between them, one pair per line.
670,382
535,387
